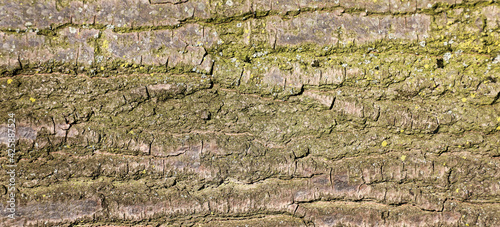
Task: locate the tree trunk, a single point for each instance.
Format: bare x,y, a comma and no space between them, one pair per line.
250,113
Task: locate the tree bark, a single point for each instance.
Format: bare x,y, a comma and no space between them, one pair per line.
250,113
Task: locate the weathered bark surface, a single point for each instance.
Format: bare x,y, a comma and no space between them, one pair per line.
252,112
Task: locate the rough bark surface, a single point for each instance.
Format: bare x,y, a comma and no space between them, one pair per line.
252,112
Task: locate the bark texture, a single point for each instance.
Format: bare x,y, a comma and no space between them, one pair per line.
252,112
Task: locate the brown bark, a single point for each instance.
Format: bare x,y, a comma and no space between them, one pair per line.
251,113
